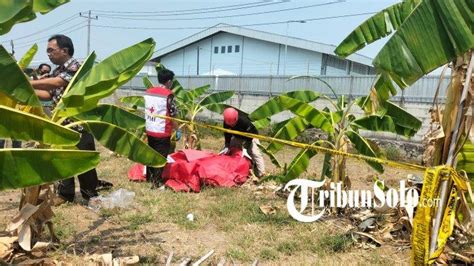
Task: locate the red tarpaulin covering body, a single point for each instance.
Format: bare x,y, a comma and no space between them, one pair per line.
193,168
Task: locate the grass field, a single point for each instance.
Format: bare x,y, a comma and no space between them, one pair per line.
228,221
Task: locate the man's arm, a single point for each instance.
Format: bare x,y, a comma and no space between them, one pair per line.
227,137
43,95
48,83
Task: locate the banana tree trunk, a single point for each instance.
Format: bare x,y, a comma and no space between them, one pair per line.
454,124
191,140
339,166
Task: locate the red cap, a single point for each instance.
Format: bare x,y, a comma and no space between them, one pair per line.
231,116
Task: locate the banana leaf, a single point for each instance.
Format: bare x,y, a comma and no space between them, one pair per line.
465,161
13,82
102,80
7,101
320,79
220,107
19,125
273,106
327,166
385,123
124,143
85,68
113,115
288,131
434,34
272,157
45,6
217,97
376,27
312,115
28,167
25,61
147,82
384,87
133,101
336,117
12,12
401,117
190,96
363,147
18,11
299,164
262,123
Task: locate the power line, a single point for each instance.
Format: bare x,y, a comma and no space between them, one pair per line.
183,12
67,20
229,26
66,30
224,16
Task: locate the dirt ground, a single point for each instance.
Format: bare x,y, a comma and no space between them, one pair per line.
228,221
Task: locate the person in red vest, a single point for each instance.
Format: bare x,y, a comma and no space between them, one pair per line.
160,101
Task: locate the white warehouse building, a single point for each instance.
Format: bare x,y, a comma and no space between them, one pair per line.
231,50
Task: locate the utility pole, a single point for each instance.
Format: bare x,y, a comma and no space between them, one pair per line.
89,17
197,69
13,47
286,41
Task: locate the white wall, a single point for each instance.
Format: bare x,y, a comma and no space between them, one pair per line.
255,57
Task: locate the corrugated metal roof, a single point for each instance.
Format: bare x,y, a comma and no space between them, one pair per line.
259,35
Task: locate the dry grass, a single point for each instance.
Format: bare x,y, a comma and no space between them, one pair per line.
226,220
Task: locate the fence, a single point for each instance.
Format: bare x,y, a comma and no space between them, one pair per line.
353,86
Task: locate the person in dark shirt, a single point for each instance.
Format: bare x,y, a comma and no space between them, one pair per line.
60,51
240,122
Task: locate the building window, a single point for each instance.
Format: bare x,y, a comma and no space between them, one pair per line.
229,49
335,62
216,49
222,49
359,68
372,71
237,48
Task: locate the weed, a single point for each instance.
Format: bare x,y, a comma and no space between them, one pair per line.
268,254
107,213
246,240
392,153
62,227
335,243
137,219
288,247
238,254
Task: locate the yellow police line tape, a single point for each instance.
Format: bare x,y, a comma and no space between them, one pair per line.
301,145
430,192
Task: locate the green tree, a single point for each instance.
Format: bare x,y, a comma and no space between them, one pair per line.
426,35
55,156
338,125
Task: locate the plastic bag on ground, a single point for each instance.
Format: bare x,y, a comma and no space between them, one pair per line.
120,198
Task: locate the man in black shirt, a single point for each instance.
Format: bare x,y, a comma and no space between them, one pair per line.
240,122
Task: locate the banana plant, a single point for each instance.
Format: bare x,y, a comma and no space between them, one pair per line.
56,157
19,11
338,124
427,34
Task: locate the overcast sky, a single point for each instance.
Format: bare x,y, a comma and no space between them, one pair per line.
190,17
